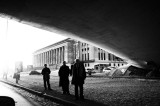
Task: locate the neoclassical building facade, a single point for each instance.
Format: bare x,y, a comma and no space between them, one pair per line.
97,58
53,55
68,50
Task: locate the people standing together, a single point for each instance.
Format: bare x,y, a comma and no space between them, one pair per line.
78,77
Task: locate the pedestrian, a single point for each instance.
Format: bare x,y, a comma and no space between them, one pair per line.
78,77
17,75
64,78
46,77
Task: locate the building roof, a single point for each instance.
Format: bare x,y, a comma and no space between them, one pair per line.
52,45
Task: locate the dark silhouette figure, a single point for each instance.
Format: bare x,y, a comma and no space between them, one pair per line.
64,78
46,76
78,77
17,75
71,70
5,75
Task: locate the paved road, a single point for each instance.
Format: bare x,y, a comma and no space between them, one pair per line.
20,100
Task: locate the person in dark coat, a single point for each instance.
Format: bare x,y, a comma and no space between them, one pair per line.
64,78
78,77
46,76
17,75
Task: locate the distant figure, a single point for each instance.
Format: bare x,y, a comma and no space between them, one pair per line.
71,70
64,78
78,77
5,75
17,75
46,76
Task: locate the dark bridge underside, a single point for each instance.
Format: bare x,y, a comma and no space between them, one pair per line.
128,29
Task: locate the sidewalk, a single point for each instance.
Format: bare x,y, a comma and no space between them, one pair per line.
18,99
67,100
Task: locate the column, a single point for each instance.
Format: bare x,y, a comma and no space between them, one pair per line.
49,57
57,56
62,53
53,56
44,57
40,59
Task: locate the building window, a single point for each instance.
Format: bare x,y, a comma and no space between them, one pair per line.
85,56
114,58
82,57
104,56
88,56
82,50
118,64
99,55
88,48
109,56
88,64
85,49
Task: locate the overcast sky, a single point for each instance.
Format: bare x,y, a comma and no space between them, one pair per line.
19,41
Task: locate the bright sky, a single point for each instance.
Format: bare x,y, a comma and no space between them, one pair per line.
20,41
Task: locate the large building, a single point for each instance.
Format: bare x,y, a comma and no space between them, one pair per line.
68,50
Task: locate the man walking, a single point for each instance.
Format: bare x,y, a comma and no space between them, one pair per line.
79,75
64,78
46,76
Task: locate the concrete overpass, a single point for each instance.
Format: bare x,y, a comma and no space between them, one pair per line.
128,29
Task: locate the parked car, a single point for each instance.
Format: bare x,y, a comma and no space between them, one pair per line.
34,73
90,71
108,69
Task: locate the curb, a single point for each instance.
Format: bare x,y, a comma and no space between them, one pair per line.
150,78
52,98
